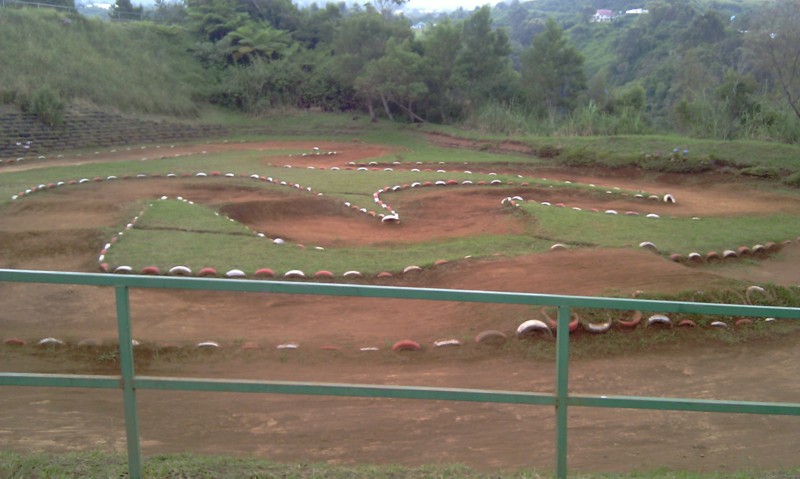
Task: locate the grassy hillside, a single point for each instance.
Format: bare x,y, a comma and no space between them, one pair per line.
132,67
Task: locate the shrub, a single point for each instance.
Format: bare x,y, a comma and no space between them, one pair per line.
676,165
793,180
47,104
761,172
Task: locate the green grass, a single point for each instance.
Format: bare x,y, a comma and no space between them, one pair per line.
670,234
182,216
632,150
188,466
224,251
134,67
144,247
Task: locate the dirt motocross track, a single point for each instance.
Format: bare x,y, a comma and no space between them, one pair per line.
59,231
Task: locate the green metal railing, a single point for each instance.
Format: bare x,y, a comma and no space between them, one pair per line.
129,382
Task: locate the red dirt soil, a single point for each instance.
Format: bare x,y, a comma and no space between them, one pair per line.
290,428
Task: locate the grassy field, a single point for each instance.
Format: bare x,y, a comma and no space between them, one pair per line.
199,246
187,466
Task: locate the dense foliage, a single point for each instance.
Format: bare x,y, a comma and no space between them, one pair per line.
724,69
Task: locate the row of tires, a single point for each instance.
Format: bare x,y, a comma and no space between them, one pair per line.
758,250
261,273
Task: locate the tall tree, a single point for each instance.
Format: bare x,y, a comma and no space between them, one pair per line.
441,46
394,78
359,40
552,71
483,62
775,42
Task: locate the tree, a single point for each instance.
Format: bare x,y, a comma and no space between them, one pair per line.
774,43
124,10
258,40
441,46
213,19
168,12
483,66
394,78
552,71
359,40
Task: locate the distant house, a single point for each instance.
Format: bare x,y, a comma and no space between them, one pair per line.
602,16
636,11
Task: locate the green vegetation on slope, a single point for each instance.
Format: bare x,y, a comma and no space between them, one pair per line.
137,67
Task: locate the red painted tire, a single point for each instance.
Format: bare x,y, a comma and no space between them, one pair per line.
635,321
743,251
406,345
491,337
14,342
712,256
323,274
742,322
686,323
151,270
384,274
207,272
553,324
676,257
264,273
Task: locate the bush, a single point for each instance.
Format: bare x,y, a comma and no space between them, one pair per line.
793,180
676,165
46,104
761,172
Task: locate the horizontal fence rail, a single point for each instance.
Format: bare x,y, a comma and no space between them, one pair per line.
129,382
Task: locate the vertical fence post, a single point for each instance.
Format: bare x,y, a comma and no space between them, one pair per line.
128,386
562,381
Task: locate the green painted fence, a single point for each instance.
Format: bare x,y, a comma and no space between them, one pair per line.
129,382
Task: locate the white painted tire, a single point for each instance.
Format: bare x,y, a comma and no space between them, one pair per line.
531,326
649,245
598,328
180,271
659,319
235,273
751,290
294,274
446,342
412,269
353,275
207,345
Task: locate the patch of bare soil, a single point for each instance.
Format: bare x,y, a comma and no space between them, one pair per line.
57,230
